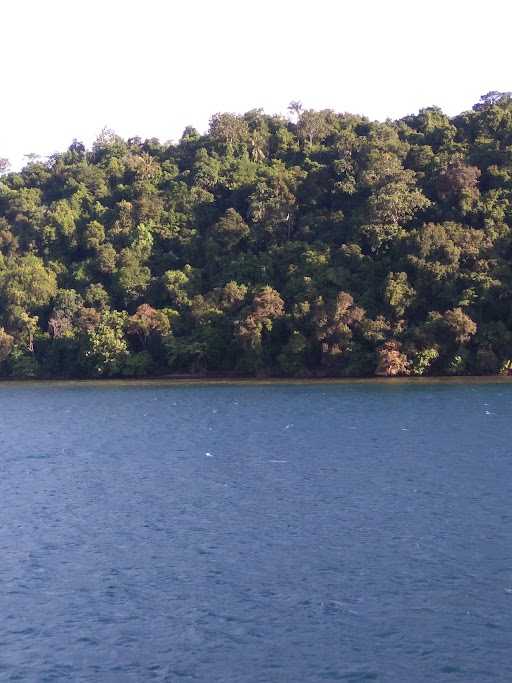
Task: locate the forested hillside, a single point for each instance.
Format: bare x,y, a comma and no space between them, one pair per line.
322,244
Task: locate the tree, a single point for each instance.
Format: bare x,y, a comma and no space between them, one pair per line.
292,357
132,277
459,183
272,205
423,360
228,129
258,146
392,362
104,348
230,229
26,282
177,284
233,295
460,325
334,323
93,235
6,344
491,99
398,294
295,108
312,126
147,321
266,307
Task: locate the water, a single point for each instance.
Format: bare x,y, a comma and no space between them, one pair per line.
256,533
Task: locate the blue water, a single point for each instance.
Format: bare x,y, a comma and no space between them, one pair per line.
256,533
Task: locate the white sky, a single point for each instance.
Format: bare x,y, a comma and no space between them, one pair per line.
151,67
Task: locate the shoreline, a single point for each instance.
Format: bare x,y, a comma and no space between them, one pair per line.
184,380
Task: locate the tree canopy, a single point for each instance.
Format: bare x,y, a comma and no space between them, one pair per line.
323,244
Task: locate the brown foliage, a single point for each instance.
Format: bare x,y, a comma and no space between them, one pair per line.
460,325
88,319
457,179
334,322
59,324
392,362
267,305
146,321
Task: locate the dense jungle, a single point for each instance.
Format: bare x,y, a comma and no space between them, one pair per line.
318,244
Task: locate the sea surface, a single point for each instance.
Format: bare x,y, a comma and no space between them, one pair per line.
256,533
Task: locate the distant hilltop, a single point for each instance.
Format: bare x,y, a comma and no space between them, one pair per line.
319,244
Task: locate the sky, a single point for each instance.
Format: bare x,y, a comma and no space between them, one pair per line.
152,67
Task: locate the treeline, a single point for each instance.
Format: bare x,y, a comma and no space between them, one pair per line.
322,244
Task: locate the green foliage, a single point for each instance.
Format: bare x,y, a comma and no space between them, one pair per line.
25,282
322,245
131,278
398,294
22,365
105,349
292,357
6,342
458,364
423,360
138,365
